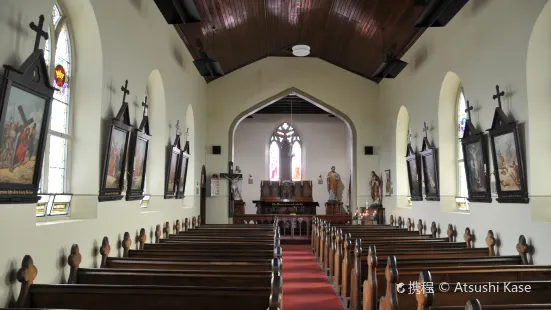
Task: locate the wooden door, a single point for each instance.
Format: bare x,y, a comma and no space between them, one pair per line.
203,196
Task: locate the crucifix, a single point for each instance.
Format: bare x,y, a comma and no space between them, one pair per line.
235,192
425,129
39,31
468,109
145,107
498,96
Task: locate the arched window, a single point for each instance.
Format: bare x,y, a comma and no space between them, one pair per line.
461,119
285,154
58,54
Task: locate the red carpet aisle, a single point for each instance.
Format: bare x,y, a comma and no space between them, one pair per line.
304,285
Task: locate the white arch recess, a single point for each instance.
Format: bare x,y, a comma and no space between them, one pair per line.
538,77
401,174
447,139
320,104
86,93
159,132
190,181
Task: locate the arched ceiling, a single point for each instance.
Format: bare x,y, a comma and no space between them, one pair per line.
346,33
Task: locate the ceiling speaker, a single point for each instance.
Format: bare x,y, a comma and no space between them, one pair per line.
216,149
438,13
390,68
179,11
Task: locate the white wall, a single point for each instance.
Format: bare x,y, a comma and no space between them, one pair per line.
114,41
486,44
324,145
337,89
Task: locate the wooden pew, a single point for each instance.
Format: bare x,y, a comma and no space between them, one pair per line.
495,293
452,273
102,296
476,305
126,262
360,270
228,278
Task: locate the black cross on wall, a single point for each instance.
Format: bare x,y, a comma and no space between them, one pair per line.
145,107
468,109
425,129
125,91
498,96
39,31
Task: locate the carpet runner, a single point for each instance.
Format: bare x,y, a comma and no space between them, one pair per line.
304,284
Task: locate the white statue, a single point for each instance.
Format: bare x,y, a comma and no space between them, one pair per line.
236,185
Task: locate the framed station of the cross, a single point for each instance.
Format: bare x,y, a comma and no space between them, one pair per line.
25,98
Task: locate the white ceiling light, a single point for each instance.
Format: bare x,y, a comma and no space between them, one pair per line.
301,50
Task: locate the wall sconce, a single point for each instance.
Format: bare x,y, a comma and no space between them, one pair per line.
250,179
320,179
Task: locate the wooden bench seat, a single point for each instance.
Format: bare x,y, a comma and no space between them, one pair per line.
244,264
372,289
476,305
351,282
498,293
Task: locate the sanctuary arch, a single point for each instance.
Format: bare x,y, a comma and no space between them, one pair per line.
322,105
538,77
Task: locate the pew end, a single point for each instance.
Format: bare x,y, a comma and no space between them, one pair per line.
74,261
142,238
490,242
104,251
522,249
157,233
26,276
126,244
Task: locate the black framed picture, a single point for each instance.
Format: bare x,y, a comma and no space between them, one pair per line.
508,160
25,97
414,174
475,157
507,157
137,160
114,163
430,171
172,163
388,183
182,171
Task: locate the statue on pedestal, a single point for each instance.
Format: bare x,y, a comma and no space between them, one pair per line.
333,180
375,188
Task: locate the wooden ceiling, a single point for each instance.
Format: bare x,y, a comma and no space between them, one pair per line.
346,33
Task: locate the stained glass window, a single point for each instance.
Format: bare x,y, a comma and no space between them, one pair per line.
274,160
461,121
285,136
57,54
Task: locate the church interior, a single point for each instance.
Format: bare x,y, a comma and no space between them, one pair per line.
274,154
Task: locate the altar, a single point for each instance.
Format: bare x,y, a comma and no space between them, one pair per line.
286,197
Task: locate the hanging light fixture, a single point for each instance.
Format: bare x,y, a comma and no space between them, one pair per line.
301,50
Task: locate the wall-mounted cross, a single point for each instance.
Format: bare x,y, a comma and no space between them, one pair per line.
145,107
425,129
468,109
409,136
125,91
39,31
498,96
